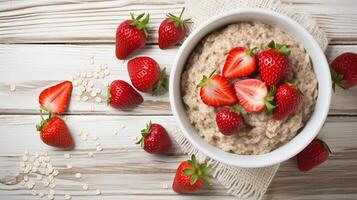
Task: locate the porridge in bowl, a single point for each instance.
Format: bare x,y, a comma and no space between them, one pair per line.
260,131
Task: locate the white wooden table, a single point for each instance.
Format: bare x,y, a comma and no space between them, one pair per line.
44,42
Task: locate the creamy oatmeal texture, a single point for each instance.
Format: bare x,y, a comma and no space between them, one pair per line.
262,133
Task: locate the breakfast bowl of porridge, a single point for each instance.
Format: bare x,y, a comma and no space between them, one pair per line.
250,88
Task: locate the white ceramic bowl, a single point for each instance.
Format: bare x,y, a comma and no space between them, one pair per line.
320,65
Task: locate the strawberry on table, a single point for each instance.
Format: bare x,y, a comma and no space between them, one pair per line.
155,139
172,30
123,96
216,90
146,76
274,64
229,121
288,100
131,35
313,155
54,132
239,62
344,70
191,176
55,99
253,95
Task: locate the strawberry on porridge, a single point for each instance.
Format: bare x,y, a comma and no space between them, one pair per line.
248,88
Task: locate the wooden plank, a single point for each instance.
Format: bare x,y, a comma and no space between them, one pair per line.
122,170
95,21
26,67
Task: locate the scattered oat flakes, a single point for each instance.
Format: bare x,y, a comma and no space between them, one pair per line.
99,148
98,69
12,88
41,194
67,155
115,132
78,175
39,177
90,154
85,82
34,192
51,196
98,90
30,184
67,197
93,94
55,172
101,75
88,89
82,88
98,99
25,158
68,166
89,74
80,81
83,74
106,72
85,98
26,178
165,186
52,185
85,187
98,192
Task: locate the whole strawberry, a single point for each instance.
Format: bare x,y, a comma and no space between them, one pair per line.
131,35
216,90
274,65
145,75
54,132
313,155
191,176
155,139
288,100
55,99
239,62
229,121
123,96
344,70
172,30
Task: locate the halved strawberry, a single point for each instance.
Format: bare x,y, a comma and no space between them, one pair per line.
55,99
239,62
216,90
253,95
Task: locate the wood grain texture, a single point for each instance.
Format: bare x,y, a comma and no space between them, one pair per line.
25,66
31,21
122,170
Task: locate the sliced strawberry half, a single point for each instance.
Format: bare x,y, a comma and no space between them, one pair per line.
217,91
253,95
55,99
239,62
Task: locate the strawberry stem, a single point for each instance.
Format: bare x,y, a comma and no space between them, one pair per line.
178,21
198,171
281,48
144,134
109,95
269,100
44,121
162,83
140,24
337,79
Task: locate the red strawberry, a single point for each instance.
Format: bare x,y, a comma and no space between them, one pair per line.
239,62
54,132
123,96
131,35
155,139
288,100
55,99
172,30
229,121
313,155
191,176
344,70
253,95
274,65
146,76
216,90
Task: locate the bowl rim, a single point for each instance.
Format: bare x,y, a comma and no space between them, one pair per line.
285,152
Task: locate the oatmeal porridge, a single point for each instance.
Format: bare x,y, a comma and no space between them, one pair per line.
262,133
